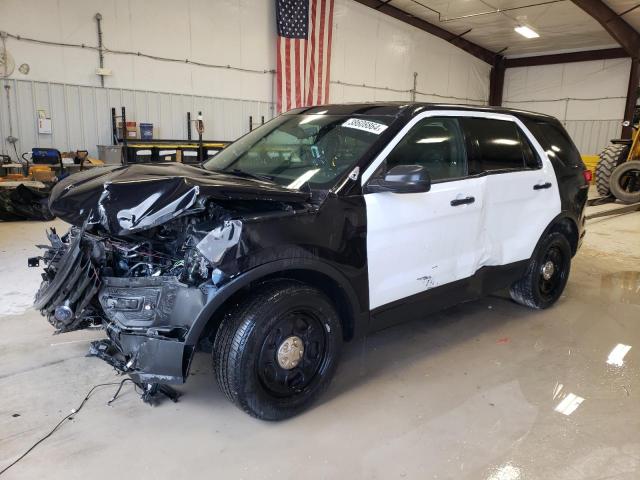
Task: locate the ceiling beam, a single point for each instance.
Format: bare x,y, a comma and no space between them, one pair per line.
621,31
586,56
469,47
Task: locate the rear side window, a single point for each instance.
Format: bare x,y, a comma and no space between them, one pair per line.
558,145
498,145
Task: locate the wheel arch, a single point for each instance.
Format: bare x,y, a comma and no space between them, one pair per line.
566,225
316,273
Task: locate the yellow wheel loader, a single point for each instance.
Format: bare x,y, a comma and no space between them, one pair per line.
618,169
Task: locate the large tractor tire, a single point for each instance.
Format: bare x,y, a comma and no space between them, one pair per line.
625,182
610,158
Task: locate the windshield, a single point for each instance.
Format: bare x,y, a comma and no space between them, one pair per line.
292,150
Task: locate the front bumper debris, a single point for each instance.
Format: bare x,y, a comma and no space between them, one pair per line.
146,318
108,351
69,283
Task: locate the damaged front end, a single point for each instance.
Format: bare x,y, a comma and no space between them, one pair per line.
145,290
144,286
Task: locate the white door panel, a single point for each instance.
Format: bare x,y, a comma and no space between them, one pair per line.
419,241
516,214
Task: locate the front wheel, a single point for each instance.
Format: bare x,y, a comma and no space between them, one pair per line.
278,349
546,275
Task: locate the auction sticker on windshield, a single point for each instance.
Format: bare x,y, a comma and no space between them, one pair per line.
365,125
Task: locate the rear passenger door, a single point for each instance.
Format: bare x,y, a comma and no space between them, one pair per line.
521,191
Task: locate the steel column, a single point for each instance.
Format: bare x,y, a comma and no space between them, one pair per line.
496,83
632,98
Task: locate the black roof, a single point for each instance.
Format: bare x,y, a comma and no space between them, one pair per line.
409,109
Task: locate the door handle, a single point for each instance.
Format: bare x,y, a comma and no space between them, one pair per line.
462,201
542,186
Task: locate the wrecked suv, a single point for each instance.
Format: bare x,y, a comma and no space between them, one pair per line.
320,226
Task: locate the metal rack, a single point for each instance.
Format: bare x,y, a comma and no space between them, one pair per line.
130,147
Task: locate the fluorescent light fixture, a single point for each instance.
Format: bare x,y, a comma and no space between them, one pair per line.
569,404
433,140
616,357
526,31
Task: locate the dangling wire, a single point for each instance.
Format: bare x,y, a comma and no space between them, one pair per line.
69,416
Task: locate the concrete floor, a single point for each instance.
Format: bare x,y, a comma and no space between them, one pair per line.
486,390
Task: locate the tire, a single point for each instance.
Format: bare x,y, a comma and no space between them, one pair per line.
534,289
249,349
610,158
625,182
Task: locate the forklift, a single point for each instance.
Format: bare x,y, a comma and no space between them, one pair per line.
618,169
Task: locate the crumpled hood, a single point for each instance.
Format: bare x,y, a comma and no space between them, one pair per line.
137,197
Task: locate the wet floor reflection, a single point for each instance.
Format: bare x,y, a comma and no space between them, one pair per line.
505,472
621,287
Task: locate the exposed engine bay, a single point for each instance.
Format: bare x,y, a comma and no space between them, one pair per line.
157,264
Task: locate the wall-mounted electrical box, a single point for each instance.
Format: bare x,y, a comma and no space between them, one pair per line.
44,123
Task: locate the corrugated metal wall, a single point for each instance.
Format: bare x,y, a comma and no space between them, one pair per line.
81,115
587,97
592,136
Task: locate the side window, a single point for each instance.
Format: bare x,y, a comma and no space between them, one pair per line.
435,143
558,144
499,145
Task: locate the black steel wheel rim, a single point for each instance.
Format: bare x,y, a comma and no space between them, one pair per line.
551,286
281,382
630,181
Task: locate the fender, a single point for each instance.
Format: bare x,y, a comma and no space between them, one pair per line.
358,316
560,218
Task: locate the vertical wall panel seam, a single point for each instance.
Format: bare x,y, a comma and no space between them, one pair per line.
171,113
95,123
50,102
35,115
3,108
16,104
66,115
81,104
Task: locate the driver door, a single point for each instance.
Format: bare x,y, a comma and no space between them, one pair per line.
420,242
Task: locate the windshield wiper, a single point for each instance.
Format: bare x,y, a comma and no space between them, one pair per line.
242,173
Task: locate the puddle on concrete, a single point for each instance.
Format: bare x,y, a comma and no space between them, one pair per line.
621,287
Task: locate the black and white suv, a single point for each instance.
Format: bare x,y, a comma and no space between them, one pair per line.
322,225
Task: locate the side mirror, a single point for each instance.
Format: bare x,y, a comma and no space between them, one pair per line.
401,179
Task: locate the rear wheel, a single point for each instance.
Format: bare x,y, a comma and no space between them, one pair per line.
276,352
625,182
610,158
546,275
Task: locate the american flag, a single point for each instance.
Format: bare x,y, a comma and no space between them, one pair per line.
303,52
